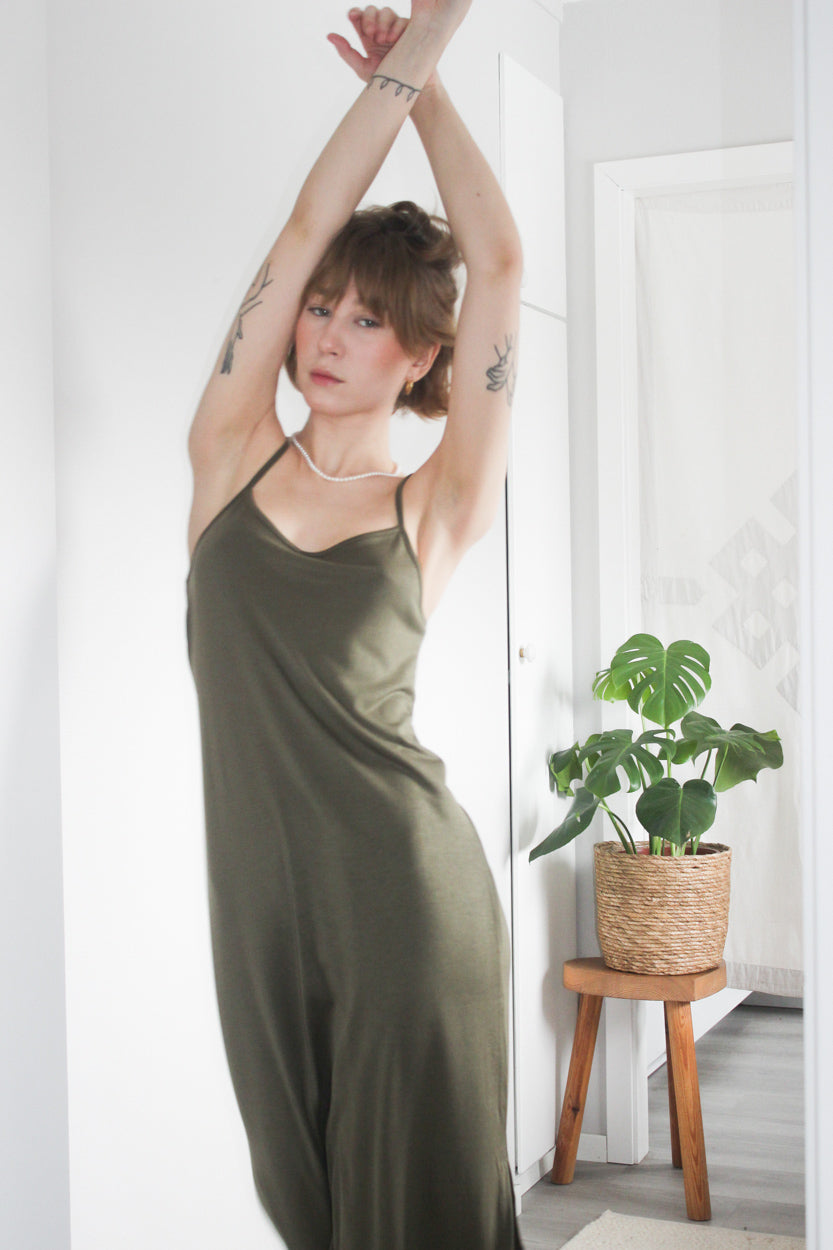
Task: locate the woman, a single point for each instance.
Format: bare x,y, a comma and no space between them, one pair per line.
360,948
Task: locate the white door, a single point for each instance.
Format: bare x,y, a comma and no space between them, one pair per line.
540,636
541,720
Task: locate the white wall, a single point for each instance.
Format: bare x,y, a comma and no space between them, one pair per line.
180,133
34,1190
645,78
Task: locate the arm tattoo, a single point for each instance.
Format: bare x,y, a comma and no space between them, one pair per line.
251,301
383,81
503,374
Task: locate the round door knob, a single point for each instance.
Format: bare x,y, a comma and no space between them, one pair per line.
527,652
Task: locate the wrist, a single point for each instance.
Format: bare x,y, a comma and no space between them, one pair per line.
433,89
430,99
424,38
436,25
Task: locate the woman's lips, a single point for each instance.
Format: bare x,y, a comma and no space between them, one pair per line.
324,379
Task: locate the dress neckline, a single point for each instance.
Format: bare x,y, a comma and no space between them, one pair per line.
245,497
248,493
319,551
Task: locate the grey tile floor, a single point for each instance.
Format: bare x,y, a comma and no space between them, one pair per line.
751,1090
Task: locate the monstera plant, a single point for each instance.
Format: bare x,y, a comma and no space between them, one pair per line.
662,686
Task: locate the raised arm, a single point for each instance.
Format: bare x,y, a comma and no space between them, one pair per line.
464,479
240,394
451,501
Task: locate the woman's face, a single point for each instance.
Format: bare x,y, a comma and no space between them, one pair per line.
347,360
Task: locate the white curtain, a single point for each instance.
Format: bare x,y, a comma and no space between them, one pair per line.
718,517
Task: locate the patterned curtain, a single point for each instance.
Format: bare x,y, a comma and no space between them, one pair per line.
718,517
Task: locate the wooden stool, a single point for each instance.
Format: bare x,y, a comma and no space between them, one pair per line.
593,981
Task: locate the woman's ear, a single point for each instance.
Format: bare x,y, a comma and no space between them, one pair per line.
423,362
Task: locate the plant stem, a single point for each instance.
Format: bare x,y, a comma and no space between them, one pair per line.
621,828
718,768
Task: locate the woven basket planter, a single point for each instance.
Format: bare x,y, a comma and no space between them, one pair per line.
661,913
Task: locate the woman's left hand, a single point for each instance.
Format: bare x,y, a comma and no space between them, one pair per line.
378,30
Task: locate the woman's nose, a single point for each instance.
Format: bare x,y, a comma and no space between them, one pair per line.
331,339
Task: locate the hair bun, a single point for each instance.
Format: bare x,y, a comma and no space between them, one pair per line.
412,219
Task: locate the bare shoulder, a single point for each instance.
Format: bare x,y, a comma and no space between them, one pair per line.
222,467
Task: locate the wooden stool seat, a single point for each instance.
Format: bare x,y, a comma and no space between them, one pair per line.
594,982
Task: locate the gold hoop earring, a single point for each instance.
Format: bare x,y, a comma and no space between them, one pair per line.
409,386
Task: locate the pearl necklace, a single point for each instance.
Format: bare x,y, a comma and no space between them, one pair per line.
353,477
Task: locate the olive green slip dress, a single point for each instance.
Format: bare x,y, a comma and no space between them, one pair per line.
360,949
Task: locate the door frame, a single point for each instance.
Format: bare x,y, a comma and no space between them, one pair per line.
813,56
619,186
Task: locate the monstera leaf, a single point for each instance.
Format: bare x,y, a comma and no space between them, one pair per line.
576,821
741,752
605,686
663,684
676,813
617,750
565,768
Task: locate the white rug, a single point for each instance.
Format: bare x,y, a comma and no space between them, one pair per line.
629,1232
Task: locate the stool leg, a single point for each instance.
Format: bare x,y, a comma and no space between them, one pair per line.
575,1095
676,1157
689,1115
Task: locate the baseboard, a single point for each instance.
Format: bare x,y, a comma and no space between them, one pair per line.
592,1148
525,1180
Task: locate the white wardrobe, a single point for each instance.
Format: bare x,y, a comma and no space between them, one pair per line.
499,648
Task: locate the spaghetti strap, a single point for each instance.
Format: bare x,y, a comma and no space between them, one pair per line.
264,468
236,498
398,497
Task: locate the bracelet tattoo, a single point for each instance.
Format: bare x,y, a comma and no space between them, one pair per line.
251,301
384,80
504,373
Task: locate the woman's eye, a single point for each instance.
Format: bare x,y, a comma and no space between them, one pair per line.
369,322
318,310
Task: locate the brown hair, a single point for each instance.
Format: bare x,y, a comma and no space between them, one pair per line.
402,261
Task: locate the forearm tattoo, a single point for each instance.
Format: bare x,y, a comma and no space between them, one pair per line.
504,373
251,301
384,81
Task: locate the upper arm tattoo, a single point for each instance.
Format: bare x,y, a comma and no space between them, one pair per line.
504,373
251,301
